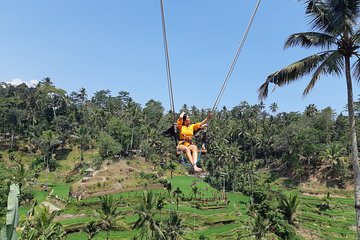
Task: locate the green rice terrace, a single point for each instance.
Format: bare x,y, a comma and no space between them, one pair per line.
144,197
108,168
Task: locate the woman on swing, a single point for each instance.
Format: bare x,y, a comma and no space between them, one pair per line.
186,131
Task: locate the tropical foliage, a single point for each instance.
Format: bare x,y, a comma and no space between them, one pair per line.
336,33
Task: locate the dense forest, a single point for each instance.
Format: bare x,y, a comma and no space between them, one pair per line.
45,122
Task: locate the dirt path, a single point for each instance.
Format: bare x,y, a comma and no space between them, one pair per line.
322,195
69,216
97,171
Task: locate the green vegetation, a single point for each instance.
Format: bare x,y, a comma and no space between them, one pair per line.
100,168
257,192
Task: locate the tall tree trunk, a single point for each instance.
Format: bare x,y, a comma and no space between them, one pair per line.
81,153
266,159
309,167
132,137
53,108
12,139
354,148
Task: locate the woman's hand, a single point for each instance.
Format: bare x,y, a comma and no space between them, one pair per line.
182,114
207,118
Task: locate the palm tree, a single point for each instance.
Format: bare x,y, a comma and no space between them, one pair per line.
259,226
174,227
13,118
336,33
46,81
83,138
131,112
311,110
289,205
109,216
146,211
220,153
177,193
194,190
273,107
42,226
335,155
22,175
48,141
82,95
172,168
160,204
168,188
91,229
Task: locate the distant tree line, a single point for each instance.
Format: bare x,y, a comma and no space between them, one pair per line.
45,120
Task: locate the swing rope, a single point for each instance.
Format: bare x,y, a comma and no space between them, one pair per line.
233,63
232,66
167,60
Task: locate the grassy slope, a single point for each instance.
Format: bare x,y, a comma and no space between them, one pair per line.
334,223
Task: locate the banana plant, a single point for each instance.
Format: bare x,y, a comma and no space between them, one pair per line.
12,217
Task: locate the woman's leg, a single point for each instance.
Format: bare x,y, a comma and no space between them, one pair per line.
187,151
194,151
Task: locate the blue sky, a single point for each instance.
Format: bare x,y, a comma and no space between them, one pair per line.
117,45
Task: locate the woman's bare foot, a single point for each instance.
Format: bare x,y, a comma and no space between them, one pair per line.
197,169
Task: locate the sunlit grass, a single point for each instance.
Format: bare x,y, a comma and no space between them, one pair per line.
61,189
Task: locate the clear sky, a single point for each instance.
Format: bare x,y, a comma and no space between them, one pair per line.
117,45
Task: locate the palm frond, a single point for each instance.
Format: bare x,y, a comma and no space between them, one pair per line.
333,64
344,15
139,223
355,38
263,90
317,13
292,72
310,39
160,235
333,16
356,69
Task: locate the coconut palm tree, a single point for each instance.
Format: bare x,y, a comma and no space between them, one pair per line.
91,229
259,226
169,188
83,138
336,32
160,204
108,215
289,205
174,227
195,190
335,155
311,110
82,95
42,226
146,210
172,168
22,176
47,142
273,107
177,192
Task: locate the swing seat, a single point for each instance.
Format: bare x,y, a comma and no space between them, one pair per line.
178,152
202,150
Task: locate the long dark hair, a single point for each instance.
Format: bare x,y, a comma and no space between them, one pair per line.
184,117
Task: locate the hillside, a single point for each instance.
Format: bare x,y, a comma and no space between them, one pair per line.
210,214
103,166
